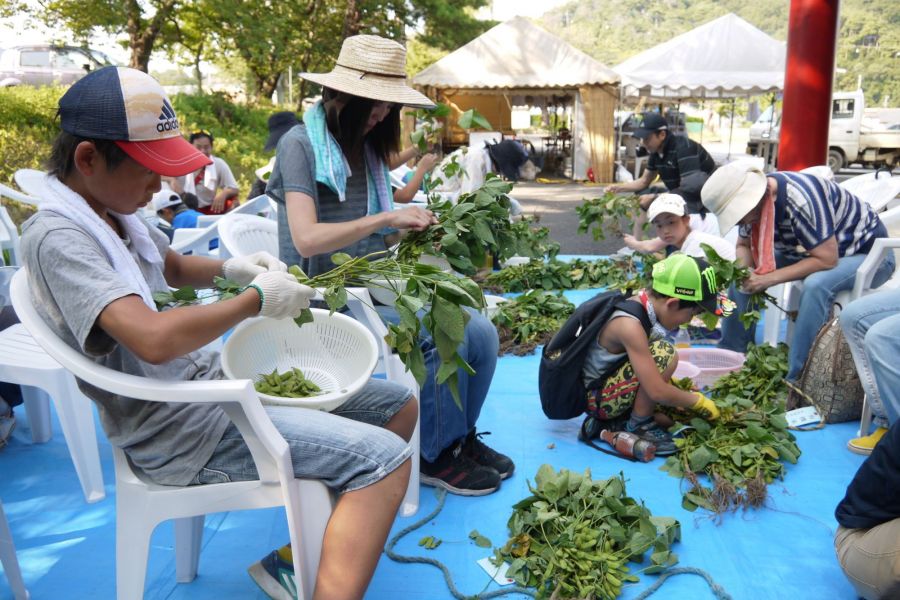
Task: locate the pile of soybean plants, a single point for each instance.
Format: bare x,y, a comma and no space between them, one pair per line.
742,451
530,320
575,536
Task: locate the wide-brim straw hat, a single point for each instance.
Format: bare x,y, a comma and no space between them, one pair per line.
732,191
371,67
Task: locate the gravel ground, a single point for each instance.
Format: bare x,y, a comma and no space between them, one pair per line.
555,204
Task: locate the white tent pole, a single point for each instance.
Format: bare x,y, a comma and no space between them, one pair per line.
731,130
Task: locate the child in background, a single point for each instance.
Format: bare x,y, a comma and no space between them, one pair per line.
636,369
668,213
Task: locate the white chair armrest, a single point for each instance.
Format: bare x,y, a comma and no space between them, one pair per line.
870,264
237,398
18,196
194,240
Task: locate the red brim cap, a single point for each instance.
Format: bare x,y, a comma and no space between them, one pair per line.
172,157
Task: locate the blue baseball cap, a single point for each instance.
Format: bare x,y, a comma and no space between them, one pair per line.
130,108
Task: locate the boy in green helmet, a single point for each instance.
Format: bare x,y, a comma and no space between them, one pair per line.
635,368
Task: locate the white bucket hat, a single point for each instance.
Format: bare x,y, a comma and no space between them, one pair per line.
732,191
371,67
666,203
164,199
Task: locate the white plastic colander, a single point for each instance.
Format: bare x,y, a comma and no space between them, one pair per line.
335,352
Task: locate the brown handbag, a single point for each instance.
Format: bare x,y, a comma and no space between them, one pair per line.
829,380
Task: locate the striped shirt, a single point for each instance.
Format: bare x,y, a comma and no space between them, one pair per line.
684,166
809,210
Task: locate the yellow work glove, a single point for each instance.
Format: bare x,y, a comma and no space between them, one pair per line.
705,407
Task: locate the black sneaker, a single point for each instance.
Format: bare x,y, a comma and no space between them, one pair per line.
653,433
457,473
275,577
486,456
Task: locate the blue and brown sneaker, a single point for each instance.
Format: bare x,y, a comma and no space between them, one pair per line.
648,430
458,473
274,574
487,456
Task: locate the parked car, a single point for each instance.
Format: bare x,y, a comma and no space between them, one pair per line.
46,64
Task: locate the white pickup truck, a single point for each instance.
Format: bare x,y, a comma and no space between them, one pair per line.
856,134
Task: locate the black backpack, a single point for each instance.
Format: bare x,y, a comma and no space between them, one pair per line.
560,382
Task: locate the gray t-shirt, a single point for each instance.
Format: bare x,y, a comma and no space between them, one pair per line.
295,171
71,282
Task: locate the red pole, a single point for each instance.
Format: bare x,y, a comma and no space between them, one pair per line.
806,114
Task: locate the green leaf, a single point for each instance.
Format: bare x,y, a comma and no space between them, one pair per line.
185,294
336,297
305,317
480,540
340,258
472,118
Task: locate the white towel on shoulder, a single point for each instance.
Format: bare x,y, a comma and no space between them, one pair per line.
62,200
210,179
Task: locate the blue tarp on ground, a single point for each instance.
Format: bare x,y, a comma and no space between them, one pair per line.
67,548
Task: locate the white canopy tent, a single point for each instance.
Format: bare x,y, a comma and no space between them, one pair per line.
725,58
519,59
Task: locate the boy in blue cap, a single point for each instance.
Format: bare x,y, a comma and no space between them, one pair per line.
93,267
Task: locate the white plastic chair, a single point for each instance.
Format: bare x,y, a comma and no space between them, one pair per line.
245,234
9,239
24,362
8,192
823,171
196,241
141,505
875,189
31,181
9,561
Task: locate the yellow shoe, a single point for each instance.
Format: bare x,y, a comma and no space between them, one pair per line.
863,445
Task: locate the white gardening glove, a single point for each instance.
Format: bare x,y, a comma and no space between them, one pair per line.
280,296
242,269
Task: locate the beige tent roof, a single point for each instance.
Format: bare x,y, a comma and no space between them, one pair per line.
515,54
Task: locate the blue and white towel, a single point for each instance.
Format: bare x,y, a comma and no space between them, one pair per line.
332,169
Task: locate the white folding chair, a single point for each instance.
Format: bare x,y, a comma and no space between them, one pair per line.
245,234
9,561
141,505
24,362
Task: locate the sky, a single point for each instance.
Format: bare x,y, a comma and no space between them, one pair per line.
20,30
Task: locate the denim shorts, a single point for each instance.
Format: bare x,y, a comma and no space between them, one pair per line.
346,449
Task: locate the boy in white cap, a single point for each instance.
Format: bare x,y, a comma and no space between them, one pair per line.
93,267
668,214
794,227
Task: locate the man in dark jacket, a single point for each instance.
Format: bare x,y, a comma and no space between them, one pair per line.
682,164
867,541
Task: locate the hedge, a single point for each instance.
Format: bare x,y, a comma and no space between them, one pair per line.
28,126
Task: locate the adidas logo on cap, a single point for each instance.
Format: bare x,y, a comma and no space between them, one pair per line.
167,119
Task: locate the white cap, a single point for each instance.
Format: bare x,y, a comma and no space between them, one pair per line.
666,203
164,199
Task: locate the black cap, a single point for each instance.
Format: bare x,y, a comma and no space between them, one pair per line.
650,123
279,124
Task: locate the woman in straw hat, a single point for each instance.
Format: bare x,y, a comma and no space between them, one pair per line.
331,176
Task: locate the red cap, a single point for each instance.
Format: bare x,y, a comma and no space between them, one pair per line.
172,157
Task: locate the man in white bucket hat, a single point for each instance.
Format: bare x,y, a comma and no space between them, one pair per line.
793,227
